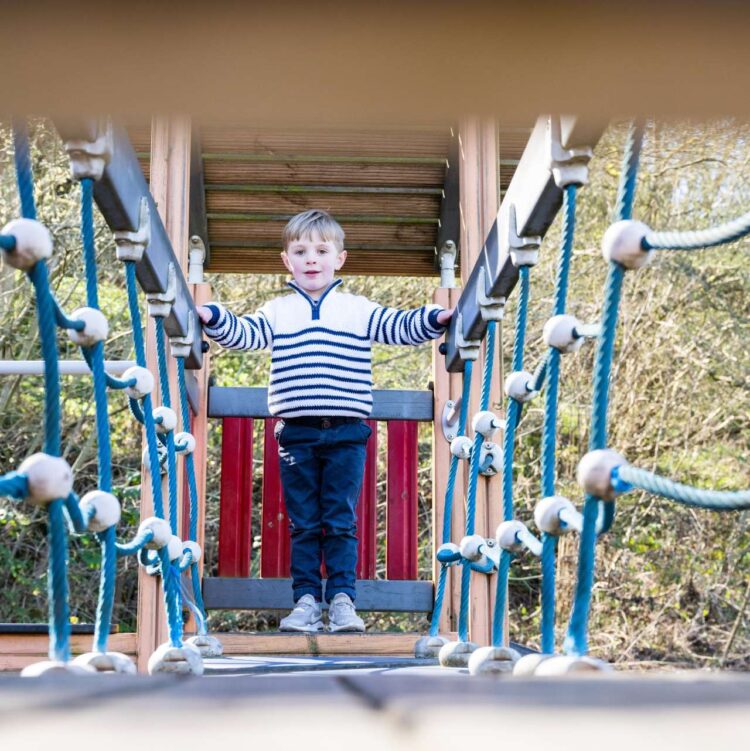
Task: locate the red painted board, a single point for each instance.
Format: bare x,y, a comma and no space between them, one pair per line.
401,500
367,510
274,541
235,504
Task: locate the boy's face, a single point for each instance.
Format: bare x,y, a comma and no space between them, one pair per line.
313,262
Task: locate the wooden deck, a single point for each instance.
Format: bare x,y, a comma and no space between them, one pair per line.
387,703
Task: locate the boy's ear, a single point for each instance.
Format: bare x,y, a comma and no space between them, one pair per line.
340,259
285,259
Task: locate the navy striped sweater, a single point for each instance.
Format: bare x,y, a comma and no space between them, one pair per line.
321,350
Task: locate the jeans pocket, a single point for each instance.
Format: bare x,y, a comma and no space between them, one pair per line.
366,430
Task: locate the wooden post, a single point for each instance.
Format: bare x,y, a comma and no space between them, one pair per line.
446,386
170,173
479,200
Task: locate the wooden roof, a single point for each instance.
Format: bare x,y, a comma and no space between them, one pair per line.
385,187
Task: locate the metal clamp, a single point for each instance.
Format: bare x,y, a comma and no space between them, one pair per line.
468,349
196,259
160,303
89,158
181,345
449,419
132,245
447,257
568,166
490,308
524,251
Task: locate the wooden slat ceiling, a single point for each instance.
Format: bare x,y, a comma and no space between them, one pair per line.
384,187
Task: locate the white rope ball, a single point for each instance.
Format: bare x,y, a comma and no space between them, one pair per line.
174,548
517,386
168,421
106,509
160,528
506,535
194,548
470,547
33,243
487,423
547,514
622,243
595,473
559,332
49,478
187,440
144,382
461,447
95,330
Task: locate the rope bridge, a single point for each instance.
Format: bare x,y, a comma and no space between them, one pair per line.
603,474
45,479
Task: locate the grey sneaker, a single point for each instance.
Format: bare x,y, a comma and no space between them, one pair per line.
306,616
342,616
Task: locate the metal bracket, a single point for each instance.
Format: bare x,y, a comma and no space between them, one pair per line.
491,308
132,245
524,251
181,345
196,259
568,166
449,419
89,158
447,257
491,550
468,349
160,303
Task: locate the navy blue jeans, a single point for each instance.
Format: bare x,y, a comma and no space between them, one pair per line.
321,473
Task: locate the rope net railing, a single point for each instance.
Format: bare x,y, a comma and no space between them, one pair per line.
46,479
603,474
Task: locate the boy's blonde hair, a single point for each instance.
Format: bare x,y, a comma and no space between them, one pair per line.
314,220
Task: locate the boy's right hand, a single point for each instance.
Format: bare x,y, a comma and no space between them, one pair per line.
204,313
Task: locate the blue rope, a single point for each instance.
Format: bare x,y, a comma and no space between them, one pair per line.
161,352
111,382
171,587
14,485
627,477
63,321
8,242
521,315
705,238
576,641
148,412
78,521
24,174
136,544
501,595
484,401
57,584
449,493
136,411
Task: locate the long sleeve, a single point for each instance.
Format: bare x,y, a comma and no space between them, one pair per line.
394,326
240,332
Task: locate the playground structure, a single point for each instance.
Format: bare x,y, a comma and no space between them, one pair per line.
548,175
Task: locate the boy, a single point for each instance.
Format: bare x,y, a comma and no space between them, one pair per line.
321,387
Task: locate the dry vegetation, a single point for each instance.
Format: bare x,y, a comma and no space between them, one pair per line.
672,583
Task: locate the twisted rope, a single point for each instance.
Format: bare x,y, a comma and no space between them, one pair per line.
705,238
161,353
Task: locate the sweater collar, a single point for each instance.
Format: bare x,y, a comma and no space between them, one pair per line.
314,304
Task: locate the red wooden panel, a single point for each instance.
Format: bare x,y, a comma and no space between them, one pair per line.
274,541
367,510
401,508
235,505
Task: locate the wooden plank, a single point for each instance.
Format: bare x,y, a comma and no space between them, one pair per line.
419,175
318,644
446,386
234,260
276,594
367,510
235,502
38,644
401,501
170,156
275,542
252,401
370,203
232,230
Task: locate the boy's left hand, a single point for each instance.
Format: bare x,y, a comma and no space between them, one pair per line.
444,316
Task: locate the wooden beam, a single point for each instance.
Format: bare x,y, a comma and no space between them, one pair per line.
170,171
479,182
